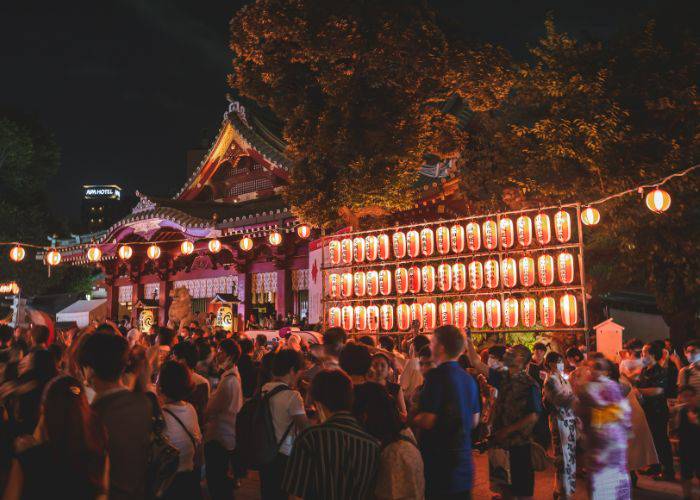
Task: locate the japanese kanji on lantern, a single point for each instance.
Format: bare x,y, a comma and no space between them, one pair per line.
501,272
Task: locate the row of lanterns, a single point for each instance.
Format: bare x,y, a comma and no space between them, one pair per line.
454,277
94,254
492,313
444,240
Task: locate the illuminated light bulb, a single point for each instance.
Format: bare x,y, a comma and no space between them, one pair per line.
125,252
17,253
658,200
590,216
186,247
274,238
304,231
153,252
94,254
53,258
246,244
214,246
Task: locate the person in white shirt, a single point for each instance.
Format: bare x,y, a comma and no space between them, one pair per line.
220,436
632,365
199,397
411,377
181,428
288,417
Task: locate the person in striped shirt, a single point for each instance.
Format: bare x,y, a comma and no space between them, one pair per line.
337,459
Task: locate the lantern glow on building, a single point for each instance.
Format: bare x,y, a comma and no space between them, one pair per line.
153,252
246,244
274,238
214,245
186,247
94,254
125,252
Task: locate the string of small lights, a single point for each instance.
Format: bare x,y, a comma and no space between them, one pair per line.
657,200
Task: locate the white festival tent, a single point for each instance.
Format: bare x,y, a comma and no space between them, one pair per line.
83,312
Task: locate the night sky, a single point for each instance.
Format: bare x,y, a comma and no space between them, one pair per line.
128,86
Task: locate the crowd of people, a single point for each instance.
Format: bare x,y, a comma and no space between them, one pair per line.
109,412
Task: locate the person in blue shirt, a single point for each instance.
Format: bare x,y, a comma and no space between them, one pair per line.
448,409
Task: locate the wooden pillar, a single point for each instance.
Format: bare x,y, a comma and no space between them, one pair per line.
164,287
136,294
113,302
283,298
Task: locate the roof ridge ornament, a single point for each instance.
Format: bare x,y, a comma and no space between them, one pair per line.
235,106
144,205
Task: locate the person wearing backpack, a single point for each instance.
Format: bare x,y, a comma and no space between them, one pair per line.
288,418
181,429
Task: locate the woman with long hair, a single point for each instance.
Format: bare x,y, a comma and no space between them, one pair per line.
400,474
559,397
381,366
66,457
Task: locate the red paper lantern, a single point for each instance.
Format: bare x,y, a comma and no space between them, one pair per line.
371,247
427,242
401,280
346,251
444,277
590,216
347,320
386,316
358,248
507,232
346,285
417,313
334,285
491,273
490,231
403,317
568,309
493,313
457,238
360,318
334,317
562,226
398,241
384,246
187,247
413,243
543,229
476,275
17,253
94,254
246,244
429,316
360,283
510,312
372,278
545,269
446,313
461,314
548,312
428,274
473,236
509,272
459,276
372,318
526,271
214,245
565,266
304,231
477,314
442,240
524,229
385,282
334,252
414,279
125,252
153,252
528,312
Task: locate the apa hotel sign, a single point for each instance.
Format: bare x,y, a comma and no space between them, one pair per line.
109,191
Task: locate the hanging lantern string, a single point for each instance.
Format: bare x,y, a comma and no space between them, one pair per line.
637,189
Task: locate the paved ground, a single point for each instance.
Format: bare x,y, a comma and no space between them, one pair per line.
544,484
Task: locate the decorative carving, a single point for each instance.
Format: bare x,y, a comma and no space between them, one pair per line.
236,107
202,262
144,204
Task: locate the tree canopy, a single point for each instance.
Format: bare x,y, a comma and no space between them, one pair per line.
29,158
360,86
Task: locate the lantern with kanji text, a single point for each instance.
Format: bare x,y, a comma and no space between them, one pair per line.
333,251
372,247
429,316
568,309
490,232
493,313
414,279
413,243
417,313
545,269
360,284
373,318
565,266
384,246
548,312
346,250
385,282
477,314
444,277
358,249
446,313
459,276
509,272
427,242
360,314
401,280
461,314
507,232
372,283
528,312
428,274
476,275
399,243
524,230
491,273
473,236
526,271
442,240
347,320
543,229
346,285
562,226
457,238
386,316
403,317
334,317
510,312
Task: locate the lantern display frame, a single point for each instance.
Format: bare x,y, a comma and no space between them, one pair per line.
554,247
